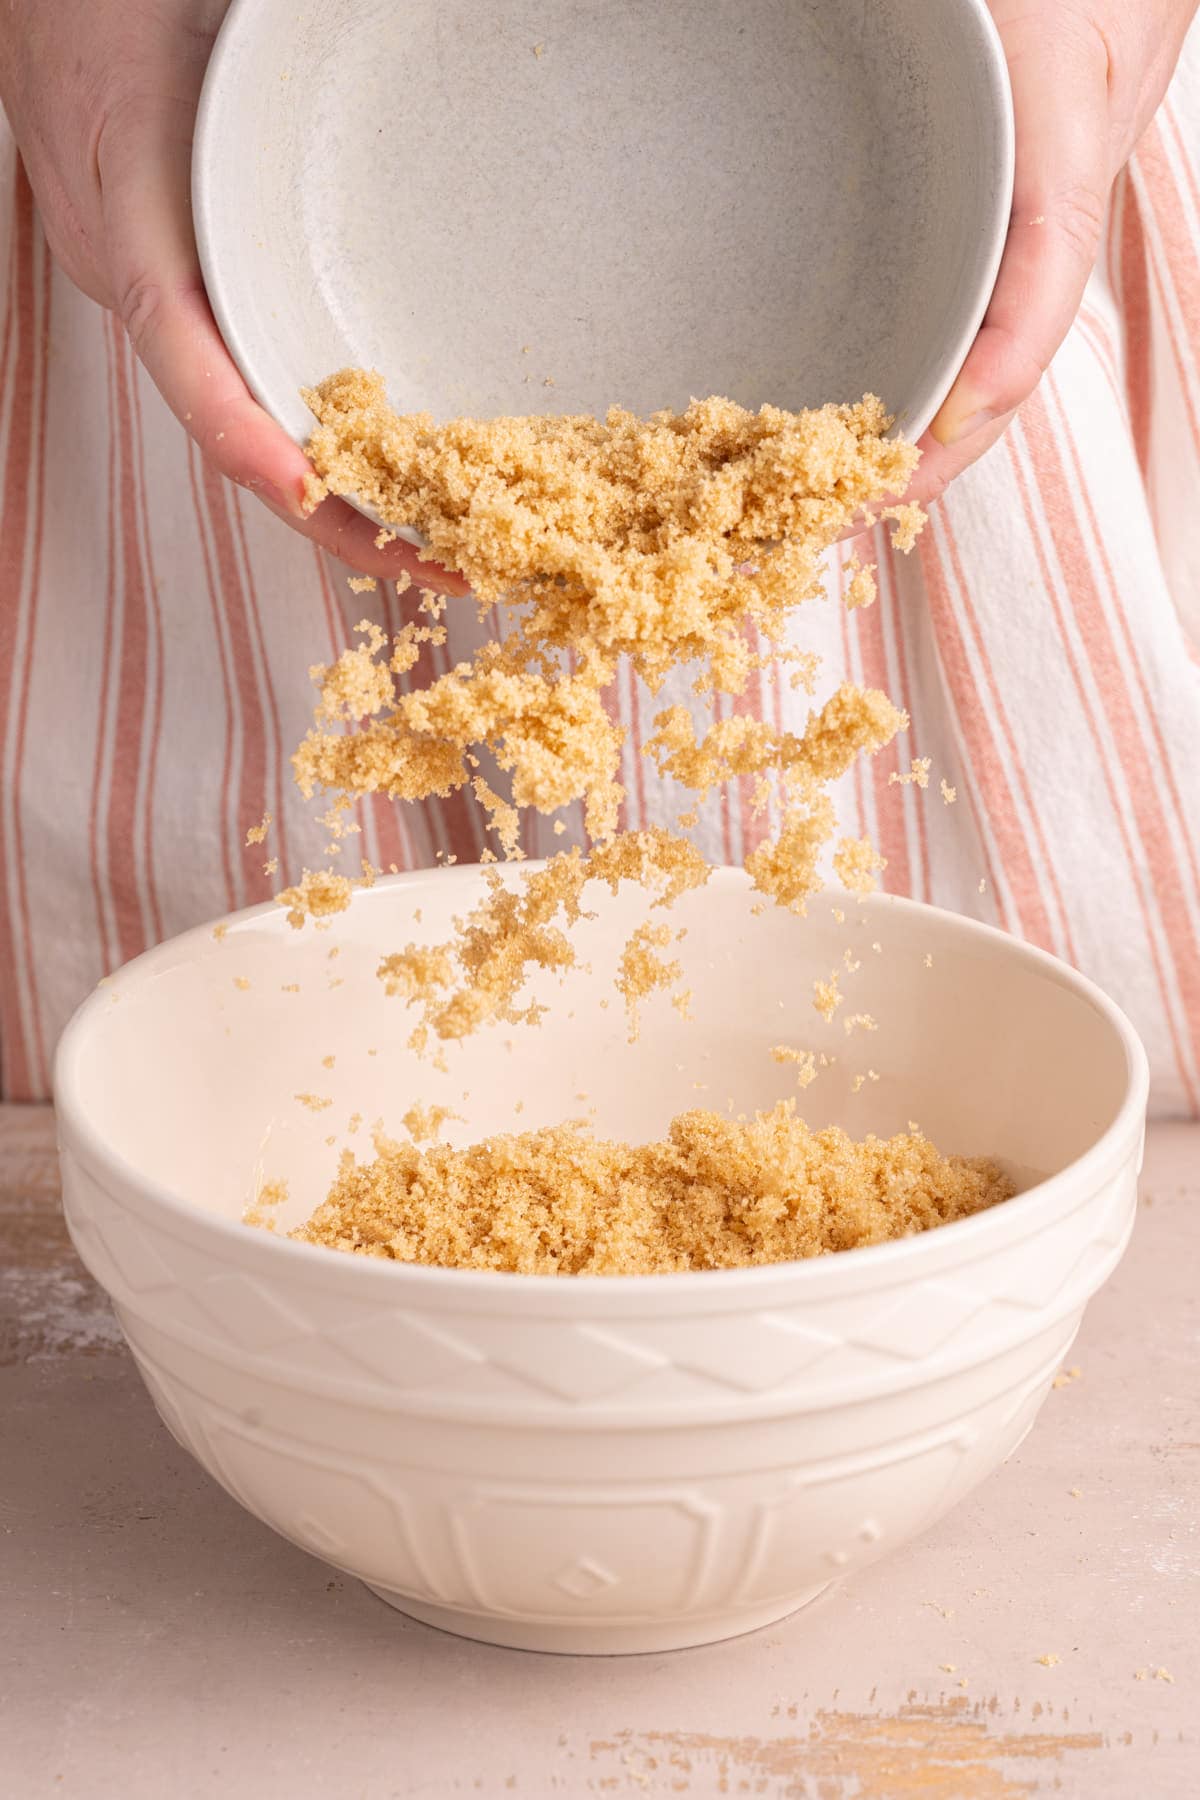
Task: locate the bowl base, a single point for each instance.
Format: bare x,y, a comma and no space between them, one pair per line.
594,1640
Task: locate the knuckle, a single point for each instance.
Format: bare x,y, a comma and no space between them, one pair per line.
122,105
118,118
139,306
1013,368
1080,219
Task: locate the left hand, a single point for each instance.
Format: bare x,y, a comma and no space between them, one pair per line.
1087,77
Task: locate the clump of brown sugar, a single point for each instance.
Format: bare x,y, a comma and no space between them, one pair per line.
628,534
476,978
805,1061
856,863
316,895
263,1210
666,541
714,1194
424,1123
827,996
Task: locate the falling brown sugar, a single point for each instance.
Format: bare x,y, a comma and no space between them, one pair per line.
681,539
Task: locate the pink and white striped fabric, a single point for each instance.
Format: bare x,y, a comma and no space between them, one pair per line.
156,629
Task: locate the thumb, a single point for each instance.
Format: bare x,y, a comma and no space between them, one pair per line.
1059,76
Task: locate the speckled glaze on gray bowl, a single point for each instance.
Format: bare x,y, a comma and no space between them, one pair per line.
554,205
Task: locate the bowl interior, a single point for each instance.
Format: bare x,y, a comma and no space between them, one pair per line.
536,207
189,1062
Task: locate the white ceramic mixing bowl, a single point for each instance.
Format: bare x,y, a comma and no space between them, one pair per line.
557,207
595,1464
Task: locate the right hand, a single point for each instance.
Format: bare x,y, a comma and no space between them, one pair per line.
101,96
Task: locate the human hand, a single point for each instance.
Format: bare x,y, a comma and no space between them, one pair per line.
101,96
1087,77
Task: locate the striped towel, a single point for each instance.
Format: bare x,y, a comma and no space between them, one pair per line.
157,627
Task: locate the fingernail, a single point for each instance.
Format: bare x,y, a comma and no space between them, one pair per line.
961,417
287,502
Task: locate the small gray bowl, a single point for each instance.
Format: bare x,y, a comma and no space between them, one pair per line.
555,205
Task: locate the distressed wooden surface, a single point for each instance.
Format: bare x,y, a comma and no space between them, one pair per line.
157,1640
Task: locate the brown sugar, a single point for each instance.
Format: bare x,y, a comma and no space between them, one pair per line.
805,1061
908,520
424,1123
475,979
664,541
678,541
855,863
827,996
713,1194
918,773
643,969
318,894
263,1209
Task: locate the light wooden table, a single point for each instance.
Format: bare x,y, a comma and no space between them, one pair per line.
159,1643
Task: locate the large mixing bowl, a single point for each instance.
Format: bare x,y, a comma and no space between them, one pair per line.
591,1463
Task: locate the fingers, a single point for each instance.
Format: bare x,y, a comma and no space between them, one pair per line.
937,468
941,463
1060,99
144,162
337,527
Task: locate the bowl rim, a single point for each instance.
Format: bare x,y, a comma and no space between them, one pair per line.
1025,1213
983,54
